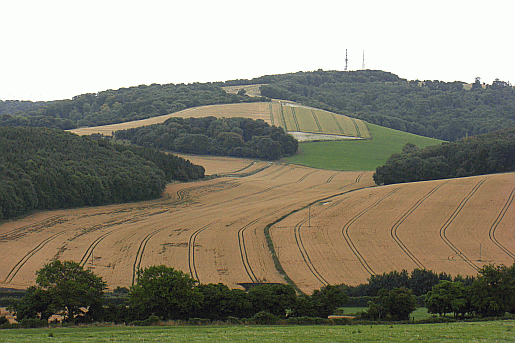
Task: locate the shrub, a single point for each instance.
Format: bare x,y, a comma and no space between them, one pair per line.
265,318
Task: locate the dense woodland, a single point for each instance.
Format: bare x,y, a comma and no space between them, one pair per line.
431,108
443,110
49,168
240,137
484,154
115,106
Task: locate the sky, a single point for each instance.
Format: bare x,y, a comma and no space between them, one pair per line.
52,50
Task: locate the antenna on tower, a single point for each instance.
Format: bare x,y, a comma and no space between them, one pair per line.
363,65
346,60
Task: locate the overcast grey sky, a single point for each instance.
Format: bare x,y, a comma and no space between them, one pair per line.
53,50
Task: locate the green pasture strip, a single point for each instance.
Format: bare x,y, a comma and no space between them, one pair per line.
494,331
357,155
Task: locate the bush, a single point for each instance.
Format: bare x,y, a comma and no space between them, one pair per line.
32,323
307,321
152,320
199,321
4,320
265,318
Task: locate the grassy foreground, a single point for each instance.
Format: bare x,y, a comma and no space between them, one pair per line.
357,155
495,331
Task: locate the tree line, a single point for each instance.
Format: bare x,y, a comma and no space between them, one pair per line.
116,106
49,168
163,293
65,288
431,108
478,155
240,137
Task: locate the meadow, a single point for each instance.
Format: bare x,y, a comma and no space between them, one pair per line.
494,331
356,155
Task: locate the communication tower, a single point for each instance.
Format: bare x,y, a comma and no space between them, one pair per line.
363,65
346,60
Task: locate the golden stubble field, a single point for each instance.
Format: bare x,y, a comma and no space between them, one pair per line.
214,229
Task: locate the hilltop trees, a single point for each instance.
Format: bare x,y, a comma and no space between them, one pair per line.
116,106
431,108
240,137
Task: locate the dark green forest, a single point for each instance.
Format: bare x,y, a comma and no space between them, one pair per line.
431,108
49,168
484,154
443,110
115,106
240,137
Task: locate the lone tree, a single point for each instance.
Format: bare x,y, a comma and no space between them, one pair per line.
63,288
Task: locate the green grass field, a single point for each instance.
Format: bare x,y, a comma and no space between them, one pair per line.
495,331
357,154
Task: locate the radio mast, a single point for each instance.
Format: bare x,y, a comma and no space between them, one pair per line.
346,60
363,65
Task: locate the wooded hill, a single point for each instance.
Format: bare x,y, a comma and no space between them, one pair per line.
115,106
443,110
479,155
240,137
49,169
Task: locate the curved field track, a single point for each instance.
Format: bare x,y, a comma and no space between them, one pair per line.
213,229
454,226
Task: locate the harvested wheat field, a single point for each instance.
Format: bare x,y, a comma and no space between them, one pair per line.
454,226
213,229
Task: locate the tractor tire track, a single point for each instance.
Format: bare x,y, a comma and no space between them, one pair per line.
346,236
300,244
139,253
337,123
393,231
31,253
316,121
443,229
493,228
191,250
